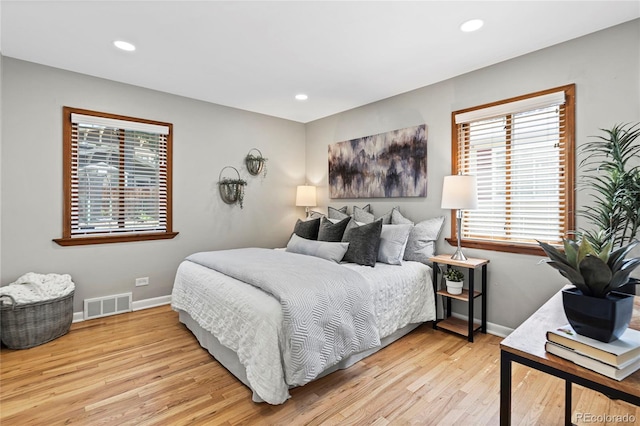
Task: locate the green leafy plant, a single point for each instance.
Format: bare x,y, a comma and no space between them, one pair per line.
230,181
595,271
614,176
232,190
453,275
256,164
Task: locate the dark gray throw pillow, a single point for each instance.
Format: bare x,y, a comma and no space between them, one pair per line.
364,241
332,232
307,228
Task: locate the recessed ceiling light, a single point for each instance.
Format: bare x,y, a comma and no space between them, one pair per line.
471,25
124,45
302,97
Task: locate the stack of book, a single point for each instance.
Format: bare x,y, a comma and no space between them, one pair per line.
617,359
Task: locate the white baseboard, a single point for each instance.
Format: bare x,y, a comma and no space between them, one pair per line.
135,306
150,303
78,316
498,330
495,329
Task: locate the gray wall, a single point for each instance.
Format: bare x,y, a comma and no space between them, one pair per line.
1,59
206,138
605,67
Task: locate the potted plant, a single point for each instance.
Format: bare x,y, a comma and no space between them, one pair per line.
255,163
454,280
593,307
613,180
601,304
232,189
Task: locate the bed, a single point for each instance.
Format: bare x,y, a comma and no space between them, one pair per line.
240,304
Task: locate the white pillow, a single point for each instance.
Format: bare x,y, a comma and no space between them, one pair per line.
422,238
393,241
323,249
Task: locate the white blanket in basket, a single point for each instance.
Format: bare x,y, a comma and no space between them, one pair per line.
32,287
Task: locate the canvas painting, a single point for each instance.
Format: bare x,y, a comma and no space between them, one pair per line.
387,165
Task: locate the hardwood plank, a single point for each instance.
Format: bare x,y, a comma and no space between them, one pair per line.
145,368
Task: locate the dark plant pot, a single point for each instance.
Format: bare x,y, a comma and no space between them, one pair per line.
630,287
255,166
231,192
603,319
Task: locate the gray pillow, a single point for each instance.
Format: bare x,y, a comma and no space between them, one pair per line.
330,231
315,215
398,219
364,242
351,224
393,240
421,243
363,214
307,228
340,213
326,250
386,218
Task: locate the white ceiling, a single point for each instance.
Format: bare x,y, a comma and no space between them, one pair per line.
257,55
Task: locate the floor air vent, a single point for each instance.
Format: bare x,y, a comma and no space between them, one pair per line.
108,305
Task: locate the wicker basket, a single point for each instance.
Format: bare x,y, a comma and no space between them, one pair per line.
27,325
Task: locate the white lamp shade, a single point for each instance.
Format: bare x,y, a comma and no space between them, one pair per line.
306,196
460,192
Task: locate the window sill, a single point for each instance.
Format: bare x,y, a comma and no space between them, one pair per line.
507,247
80,241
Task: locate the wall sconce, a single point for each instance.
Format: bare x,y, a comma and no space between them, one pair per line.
306,197
459,192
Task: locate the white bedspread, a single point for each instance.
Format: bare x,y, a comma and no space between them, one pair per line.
249,321
327,310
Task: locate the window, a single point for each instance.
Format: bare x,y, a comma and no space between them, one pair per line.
521,151
117,178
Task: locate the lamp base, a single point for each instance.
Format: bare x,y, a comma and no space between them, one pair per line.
458,255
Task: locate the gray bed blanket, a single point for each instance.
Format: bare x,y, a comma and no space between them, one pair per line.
328,310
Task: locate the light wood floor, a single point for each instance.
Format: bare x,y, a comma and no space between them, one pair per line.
146,368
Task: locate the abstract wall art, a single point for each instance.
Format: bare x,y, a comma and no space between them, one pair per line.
387,165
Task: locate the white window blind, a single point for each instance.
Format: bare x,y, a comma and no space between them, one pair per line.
503,109
118,176
518,153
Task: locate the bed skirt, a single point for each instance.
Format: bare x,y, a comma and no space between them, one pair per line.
229,359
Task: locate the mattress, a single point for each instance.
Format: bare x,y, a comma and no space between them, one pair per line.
241,325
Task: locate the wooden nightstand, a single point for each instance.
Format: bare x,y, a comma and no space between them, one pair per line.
465,328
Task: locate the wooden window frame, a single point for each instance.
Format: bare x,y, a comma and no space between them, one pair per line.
122,236
568,183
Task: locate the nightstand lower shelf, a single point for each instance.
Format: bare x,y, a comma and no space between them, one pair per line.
458,325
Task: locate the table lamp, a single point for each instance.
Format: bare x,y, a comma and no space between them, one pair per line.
306,197
459,192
